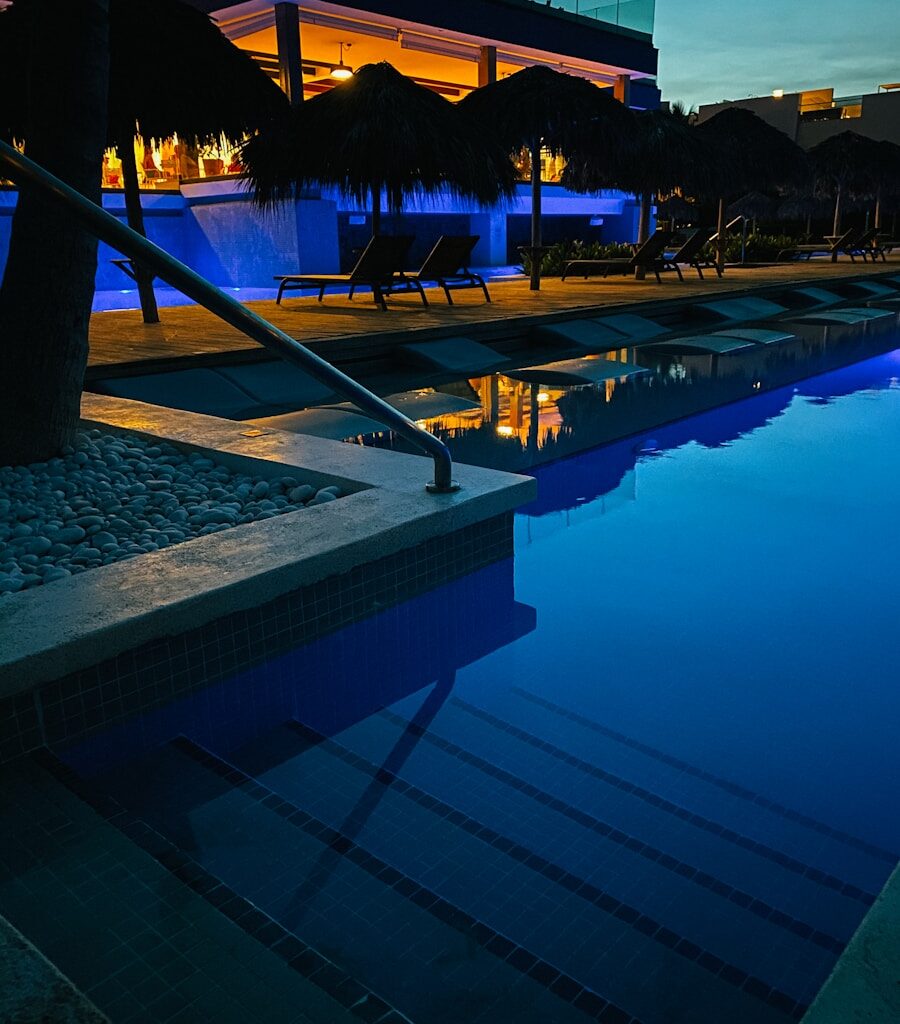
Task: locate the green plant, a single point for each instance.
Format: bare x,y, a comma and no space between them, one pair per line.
556,256
760,248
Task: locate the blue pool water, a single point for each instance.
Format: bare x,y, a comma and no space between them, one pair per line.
648,771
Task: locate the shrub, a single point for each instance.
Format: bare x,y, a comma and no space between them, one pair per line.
556,257
760,248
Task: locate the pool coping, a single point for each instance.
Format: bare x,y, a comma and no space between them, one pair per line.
864,984
53,630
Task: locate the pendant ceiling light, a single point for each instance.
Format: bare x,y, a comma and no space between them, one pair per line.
342,71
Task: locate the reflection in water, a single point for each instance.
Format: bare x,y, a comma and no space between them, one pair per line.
595,483
521,425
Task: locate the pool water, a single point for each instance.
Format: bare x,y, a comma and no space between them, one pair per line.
647,772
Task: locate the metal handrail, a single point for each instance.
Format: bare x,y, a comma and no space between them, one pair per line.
105,227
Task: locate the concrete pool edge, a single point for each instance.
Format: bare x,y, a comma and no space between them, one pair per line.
54,630
33,988
865,982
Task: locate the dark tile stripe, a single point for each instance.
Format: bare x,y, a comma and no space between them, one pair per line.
700,773
729,835
342,987
525,962
585,890
738,897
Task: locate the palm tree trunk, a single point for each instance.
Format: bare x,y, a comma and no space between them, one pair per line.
48,284
720,237
643,230
376,210
836,226
136,222
536,254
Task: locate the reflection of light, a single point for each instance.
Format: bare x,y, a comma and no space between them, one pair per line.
543,396
505,431
777,94
421,423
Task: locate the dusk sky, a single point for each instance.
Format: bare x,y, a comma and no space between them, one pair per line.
712,50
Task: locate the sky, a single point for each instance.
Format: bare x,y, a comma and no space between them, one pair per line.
712,50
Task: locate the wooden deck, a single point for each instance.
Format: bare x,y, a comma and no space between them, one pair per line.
189,334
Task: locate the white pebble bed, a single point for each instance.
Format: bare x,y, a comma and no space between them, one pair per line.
114,496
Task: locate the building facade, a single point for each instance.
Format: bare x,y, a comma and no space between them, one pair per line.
811,116
196,208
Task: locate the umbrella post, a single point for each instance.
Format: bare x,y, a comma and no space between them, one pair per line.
135,216
836,227
720,236
536,254
643,231
878,209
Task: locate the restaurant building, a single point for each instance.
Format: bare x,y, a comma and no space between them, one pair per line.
196,208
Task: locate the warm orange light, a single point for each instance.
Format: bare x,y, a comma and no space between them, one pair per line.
341,71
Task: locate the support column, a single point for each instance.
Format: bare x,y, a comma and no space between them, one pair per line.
287,36
622,89
487,65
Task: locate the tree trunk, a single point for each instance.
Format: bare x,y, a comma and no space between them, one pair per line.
536,242
643,230
48,285
836,226
720,238
376,210
136,222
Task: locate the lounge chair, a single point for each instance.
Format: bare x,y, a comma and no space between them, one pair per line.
691,254
377,268
820,248
866,245
650,255
448,265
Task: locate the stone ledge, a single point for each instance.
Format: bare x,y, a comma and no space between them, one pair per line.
54,630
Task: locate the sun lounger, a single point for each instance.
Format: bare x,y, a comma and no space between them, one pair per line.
448,265
377,268
650,256
691,254
832,248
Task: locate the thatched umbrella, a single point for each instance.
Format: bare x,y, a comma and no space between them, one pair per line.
801,206
664,153
171,71
886,176
751,155
379,131
676,207
538,108
842,167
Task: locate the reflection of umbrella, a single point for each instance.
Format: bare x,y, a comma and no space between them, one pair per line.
751,155
378,131
665,153
539,108
171,71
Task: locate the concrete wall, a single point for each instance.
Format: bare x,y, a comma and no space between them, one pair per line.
217,231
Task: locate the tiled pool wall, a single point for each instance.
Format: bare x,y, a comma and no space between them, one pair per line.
148,676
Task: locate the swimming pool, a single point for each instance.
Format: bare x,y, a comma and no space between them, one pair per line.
646,772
